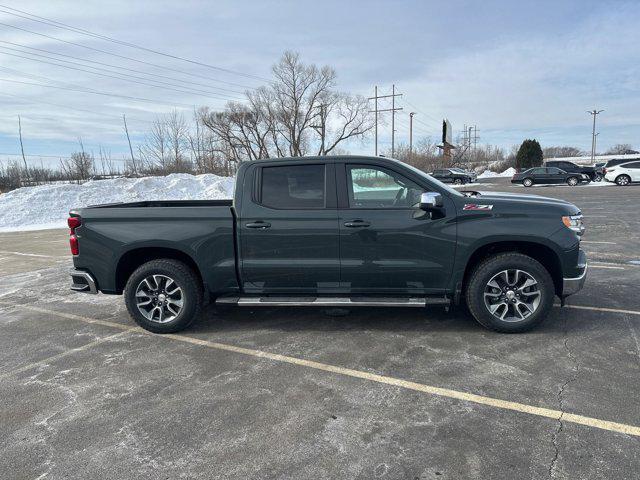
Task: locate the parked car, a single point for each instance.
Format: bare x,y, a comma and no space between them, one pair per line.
615,162
548,176
333,231
624,174
452,175
595,174
472,175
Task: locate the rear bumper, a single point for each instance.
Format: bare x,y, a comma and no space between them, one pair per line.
574,284
82,282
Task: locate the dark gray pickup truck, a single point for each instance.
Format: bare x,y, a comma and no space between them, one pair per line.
333,231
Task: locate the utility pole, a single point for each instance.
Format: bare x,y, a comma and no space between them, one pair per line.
393,111
475,137
133,160
26,168
595,144
393,120
321,129
376,102
595,113
411,114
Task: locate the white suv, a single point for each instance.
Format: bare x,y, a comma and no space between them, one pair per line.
623,174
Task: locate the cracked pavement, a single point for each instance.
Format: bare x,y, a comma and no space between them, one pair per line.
85,400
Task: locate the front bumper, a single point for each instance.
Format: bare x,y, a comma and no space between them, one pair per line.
575,284
82,281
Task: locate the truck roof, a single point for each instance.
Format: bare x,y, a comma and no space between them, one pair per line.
315,158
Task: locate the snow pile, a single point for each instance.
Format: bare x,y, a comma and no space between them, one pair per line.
47,206
509,172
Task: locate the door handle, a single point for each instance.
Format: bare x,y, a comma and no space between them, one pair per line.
259,224
357,224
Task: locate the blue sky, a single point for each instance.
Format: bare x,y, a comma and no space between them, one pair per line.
515,69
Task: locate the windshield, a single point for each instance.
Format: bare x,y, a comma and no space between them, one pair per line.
435,181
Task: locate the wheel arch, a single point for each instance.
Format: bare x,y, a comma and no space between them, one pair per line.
538,251
134,258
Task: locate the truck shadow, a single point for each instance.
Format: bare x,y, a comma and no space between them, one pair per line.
292,319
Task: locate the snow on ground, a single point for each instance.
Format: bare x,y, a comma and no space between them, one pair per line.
509,172
47,206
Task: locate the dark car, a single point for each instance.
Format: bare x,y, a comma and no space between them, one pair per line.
452,175
594,173
340,231
548,176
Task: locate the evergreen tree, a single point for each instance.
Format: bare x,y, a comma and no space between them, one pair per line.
529,155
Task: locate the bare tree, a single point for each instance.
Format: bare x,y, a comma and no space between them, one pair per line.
177,133
155,149
297,114
80,166
621,149
556,152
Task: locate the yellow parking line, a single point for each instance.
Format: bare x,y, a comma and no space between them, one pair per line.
602,309
432,390
60,355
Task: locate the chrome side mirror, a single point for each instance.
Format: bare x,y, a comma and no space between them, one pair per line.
430,201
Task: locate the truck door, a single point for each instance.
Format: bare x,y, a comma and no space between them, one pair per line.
288,229
387,245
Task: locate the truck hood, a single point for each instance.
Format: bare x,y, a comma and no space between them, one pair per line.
523,200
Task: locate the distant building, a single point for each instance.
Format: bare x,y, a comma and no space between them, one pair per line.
586,160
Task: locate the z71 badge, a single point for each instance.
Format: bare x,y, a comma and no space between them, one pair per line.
475,206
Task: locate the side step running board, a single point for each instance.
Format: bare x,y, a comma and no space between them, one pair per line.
248,301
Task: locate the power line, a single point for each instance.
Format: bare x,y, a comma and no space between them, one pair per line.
146,83
63,26
122,56
155,75
73,108
127,97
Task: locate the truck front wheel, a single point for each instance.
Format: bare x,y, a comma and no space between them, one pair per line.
163,296
510,292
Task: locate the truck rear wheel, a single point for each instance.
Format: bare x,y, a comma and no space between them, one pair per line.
510,293
163,296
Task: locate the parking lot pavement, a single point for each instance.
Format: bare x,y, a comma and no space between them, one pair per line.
295,393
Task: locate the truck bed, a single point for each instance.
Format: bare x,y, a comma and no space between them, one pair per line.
167,203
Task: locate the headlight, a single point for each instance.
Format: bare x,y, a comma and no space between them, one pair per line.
574,222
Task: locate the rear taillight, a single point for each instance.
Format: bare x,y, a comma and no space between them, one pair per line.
73,222
73,243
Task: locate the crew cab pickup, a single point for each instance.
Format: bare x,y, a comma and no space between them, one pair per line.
332,231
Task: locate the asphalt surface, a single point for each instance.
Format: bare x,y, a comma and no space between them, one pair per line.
297,394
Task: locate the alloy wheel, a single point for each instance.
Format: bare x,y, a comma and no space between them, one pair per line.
159,298
512,295
622,180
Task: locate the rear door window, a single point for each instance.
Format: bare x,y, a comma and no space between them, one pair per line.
634,165
293,187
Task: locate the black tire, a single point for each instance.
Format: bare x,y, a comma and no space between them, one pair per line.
597,178
190,294
572,181
623,180
487,269
458,181
527,182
